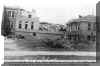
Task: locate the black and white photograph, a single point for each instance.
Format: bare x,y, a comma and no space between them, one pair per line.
46,32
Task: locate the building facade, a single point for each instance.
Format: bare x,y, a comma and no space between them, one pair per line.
26,21
9,19
19,21
83,28
26,24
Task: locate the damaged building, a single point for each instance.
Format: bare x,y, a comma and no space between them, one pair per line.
83,28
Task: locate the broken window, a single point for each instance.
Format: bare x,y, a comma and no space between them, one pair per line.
9,13
26,25
88,37
89,26
13,14
29,16
20,26
12,25
32,25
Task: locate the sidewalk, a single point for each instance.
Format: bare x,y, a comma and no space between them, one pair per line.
22,53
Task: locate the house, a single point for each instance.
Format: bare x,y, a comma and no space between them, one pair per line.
83,28
26,24
9,19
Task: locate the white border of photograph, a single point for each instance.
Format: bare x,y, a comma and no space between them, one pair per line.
50,3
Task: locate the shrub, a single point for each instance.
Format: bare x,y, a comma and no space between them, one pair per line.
64,44
20,37
57,43
81,44
53,43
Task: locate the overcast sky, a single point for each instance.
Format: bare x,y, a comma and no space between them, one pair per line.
56,11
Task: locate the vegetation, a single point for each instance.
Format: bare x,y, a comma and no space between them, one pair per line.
68,45
53,43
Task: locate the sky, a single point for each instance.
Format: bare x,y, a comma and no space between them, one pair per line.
56,11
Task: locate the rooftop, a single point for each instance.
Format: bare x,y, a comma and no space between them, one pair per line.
88,18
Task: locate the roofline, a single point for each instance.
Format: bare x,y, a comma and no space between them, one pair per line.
12,7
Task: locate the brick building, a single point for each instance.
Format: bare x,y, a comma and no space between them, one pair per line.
83,28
